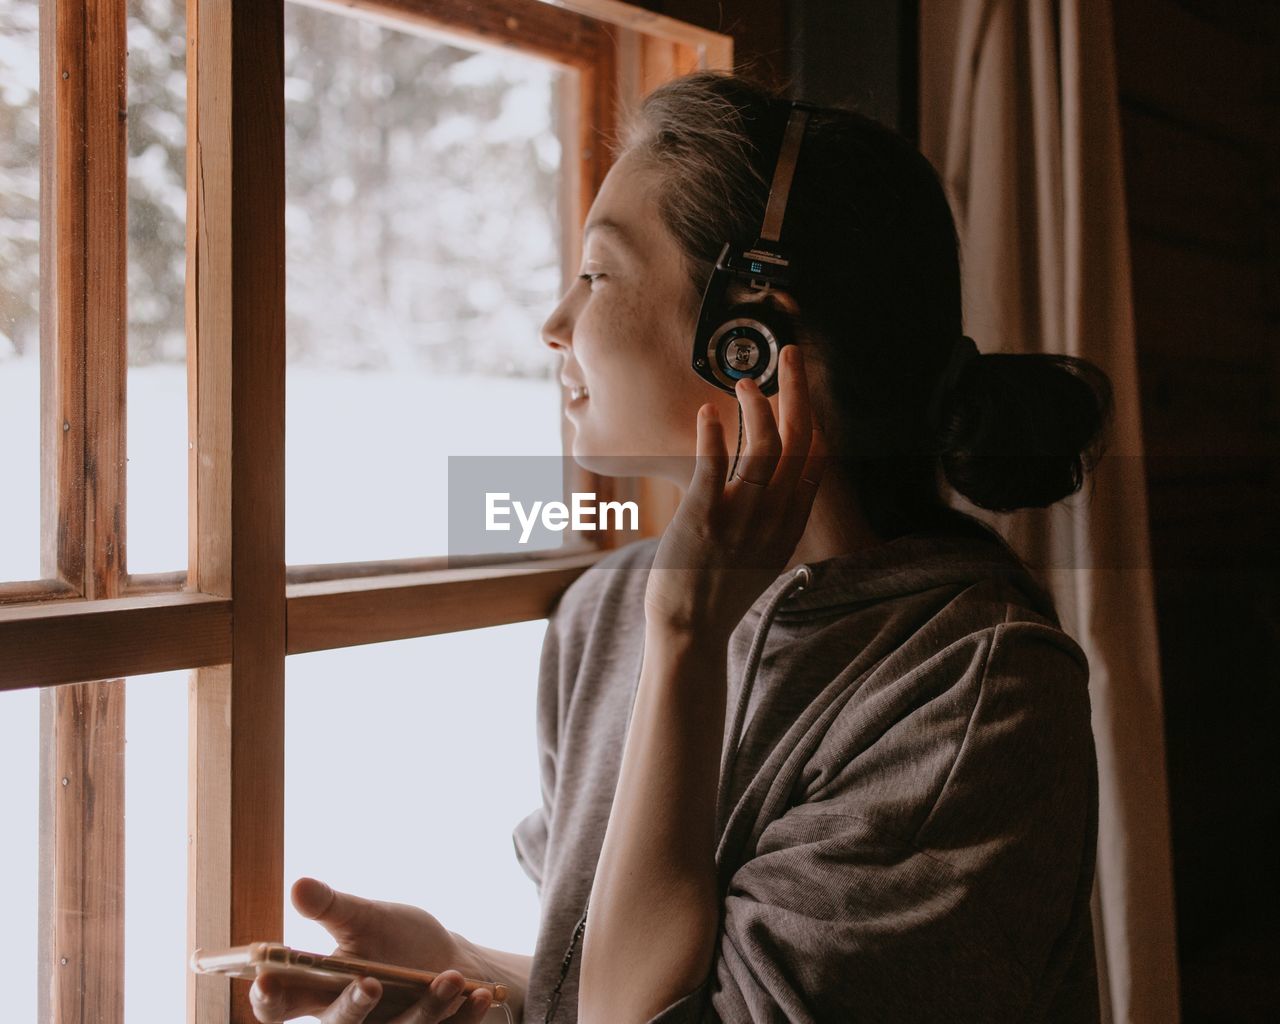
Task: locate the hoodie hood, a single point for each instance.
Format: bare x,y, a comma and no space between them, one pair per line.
904,565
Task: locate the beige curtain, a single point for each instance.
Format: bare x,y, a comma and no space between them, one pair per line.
1019,114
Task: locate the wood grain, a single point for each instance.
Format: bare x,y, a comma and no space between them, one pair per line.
37,590
55,643
83,358
82,853
63,250
398,566
235,96
344,613
1172,60
529,27
1199,89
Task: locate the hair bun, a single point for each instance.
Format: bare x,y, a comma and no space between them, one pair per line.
963,352
1024,432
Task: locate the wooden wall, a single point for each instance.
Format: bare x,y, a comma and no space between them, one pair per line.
862,56
1200,108
758,27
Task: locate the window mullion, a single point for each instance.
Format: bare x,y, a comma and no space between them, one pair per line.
82,56
236,363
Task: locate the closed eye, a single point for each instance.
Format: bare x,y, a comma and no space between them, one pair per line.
589,277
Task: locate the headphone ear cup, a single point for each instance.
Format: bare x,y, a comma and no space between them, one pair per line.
748,343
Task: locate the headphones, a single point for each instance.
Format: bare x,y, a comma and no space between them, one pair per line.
746,339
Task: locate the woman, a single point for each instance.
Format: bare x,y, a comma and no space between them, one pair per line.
821,752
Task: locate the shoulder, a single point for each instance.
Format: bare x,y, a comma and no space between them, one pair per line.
1027,668
611,587
972,705
980,640
1018,682
1036,677
1019,753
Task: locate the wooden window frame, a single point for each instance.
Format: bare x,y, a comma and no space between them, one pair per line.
88,624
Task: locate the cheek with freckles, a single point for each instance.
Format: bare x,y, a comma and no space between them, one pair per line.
635,351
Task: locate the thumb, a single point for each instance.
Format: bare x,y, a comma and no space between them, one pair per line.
343,916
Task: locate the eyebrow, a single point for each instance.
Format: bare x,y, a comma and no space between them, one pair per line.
623,234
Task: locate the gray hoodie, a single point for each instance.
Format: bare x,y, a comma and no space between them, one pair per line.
911,810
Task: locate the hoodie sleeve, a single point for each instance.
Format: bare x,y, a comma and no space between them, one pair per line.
938,860
530,834
600,600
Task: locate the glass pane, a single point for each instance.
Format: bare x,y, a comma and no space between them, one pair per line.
20,850
157,376
423,253
20,289
407,765
155,848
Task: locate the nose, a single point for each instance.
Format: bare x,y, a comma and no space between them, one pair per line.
557,328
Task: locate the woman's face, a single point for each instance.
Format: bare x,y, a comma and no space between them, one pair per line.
627,334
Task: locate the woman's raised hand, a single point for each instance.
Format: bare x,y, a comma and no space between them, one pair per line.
392,933
729,540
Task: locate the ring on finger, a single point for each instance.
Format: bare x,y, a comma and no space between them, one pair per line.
754,483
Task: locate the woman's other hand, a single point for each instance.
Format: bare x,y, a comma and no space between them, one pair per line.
727,542
393,933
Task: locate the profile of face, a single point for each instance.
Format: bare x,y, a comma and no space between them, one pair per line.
625,330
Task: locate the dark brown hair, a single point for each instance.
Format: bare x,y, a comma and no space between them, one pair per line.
875,241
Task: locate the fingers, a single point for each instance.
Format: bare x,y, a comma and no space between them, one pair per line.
266,1001
272,1001
791,456
795,418
782,460
761,446
712,458
354,1004
445,1001
474,1010
342,915
775,451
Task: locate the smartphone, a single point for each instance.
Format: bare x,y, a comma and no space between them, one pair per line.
327,976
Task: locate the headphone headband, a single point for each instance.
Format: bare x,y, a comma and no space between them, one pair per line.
780,189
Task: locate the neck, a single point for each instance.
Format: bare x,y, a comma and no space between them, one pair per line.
836,524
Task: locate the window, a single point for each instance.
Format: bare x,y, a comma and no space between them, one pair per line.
20,289
91,362
422,250
426,810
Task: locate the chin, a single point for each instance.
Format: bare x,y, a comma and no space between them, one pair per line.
610,458
610,465
622,462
